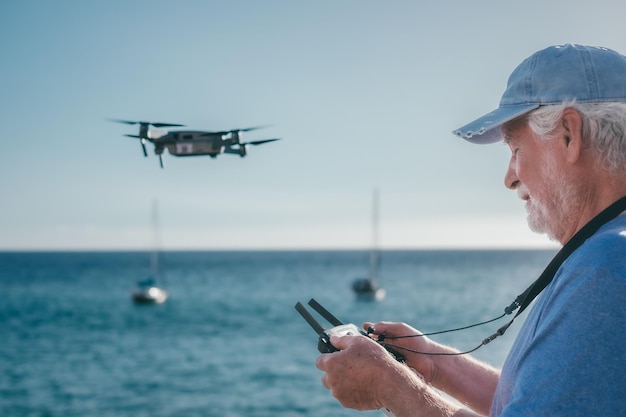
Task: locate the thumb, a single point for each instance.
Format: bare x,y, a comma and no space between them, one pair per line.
340,342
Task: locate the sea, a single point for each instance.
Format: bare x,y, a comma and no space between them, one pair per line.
228,341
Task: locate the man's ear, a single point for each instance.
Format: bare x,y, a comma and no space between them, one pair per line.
572,134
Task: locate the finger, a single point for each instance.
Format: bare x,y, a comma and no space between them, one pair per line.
375,328
388,327
320,362
325,381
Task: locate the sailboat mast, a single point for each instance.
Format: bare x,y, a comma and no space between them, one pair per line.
154,259
374,248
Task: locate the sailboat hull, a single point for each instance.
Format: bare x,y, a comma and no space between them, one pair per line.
147,291
367,289
151,295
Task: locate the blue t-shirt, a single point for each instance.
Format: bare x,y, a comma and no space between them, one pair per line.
569,358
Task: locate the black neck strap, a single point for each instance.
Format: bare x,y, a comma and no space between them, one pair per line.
524,299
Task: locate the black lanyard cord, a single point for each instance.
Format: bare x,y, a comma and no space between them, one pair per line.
523,300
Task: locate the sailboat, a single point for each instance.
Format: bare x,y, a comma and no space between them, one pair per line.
369,288
147,291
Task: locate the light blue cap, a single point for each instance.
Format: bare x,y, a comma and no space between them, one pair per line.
587,74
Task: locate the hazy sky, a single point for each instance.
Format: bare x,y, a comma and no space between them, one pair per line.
364,94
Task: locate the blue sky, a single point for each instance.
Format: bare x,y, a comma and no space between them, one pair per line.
364,94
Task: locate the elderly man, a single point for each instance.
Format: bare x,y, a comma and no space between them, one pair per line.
563,116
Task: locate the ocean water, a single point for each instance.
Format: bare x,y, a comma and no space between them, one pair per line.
228,342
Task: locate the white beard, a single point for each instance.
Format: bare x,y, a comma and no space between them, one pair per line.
553,209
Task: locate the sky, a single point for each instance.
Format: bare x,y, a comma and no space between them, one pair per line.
363,94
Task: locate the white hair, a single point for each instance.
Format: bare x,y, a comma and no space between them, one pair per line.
604,129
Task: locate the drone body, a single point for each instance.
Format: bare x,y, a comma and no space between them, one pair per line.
192,142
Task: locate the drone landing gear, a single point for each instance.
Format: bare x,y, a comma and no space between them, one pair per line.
159,151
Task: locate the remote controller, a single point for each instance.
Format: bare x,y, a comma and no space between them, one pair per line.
324,345
339,329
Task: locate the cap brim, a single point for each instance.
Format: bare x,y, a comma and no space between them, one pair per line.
486,130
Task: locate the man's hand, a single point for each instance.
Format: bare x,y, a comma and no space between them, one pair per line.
355,373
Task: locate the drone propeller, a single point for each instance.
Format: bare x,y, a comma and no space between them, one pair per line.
234,131
155,124
247,129
259,142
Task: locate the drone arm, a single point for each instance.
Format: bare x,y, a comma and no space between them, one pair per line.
235,137
240,150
